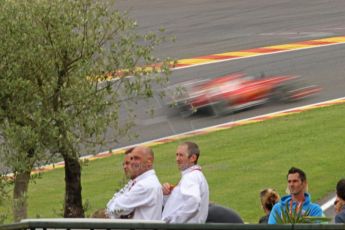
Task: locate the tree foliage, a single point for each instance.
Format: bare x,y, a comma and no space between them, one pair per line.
3,195
56,99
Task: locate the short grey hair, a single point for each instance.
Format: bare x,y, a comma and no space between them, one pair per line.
192,148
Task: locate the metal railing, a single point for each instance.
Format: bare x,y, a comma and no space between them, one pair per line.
92,224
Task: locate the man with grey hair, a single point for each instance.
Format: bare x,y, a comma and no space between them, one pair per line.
188,201
143,198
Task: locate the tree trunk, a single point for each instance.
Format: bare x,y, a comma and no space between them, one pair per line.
21,184
73,206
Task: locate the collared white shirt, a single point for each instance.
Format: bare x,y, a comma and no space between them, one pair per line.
188,201
142,195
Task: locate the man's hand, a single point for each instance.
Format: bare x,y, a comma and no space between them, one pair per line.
167,188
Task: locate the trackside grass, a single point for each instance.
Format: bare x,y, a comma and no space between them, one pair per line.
237,162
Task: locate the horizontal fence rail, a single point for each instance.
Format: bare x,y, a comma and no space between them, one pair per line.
92,224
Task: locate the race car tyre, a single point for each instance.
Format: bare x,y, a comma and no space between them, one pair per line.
185,110
281,94
221,108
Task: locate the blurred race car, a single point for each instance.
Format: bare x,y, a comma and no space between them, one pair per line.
230,93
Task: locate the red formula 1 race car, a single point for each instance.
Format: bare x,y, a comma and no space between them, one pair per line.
226,94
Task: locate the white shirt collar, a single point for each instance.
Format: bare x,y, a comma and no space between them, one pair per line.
190,169
144,175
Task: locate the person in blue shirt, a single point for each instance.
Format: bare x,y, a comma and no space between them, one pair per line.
297,199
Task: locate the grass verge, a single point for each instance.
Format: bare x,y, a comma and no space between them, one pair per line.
238,163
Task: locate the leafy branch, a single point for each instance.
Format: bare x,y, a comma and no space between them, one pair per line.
296,215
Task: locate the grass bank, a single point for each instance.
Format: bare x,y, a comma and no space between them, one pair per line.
238,163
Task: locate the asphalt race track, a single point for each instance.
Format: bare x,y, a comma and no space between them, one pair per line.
204,27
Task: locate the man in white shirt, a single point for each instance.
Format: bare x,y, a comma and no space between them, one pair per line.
188,201
142,197
126,165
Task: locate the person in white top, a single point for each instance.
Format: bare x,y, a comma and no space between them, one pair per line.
188,201
126,165
142,197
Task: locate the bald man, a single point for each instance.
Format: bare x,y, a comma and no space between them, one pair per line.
144,197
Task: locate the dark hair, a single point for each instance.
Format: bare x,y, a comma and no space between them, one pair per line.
341,189
269,197
300,172
128,151
192,148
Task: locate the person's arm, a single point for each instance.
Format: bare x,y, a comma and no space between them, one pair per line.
166,188
116,195
111,203
191,198
125,204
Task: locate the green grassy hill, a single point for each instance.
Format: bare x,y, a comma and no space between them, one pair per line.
238,163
